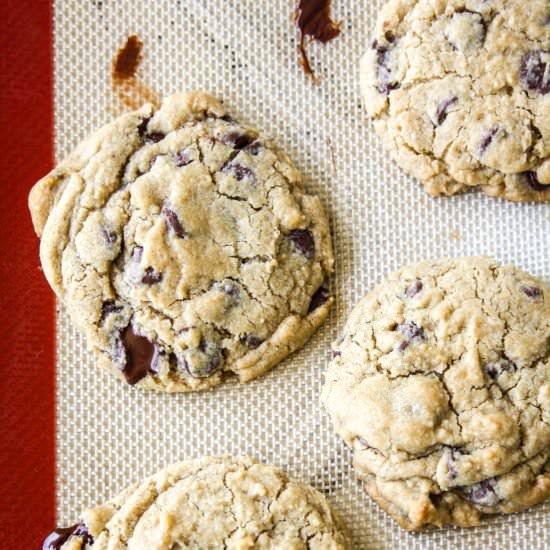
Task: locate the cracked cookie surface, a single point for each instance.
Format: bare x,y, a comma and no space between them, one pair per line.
440,384
459,91
232,503
184,245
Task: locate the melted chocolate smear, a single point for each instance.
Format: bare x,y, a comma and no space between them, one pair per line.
127,59
58,537
127,87
486,139
313,20
237,140
141,355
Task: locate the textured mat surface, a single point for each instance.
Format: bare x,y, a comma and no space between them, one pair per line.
245,52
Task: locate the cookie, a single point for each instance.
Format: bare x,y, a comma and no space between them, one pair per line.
184,245
233,503
441,386
459,91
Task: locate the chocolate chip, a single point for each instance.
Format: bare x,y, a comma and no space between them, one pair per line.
109,236
231,289
228,118
441,112
173,222
494,370
237,140
534,183
486,139
142,127
155,137
384,70
202,362
141,355
451,468
534,71
151,277
482,493
319,298
109,306
413,289
251,341
239,171
253,148
182,158
303,242
532,291
336,353
411,331
58,537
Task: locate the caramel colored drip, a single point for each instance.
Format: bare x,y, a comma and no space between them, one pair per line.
130,92
313,20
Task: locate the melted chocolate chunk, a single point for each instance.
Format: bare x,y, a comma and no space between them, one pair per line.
173,222
239,171
253,148
441,113
148,136
231,289
251,341
482,493
534,183
313,20
384,70
141,355
319,298
303,242
411,331
534,71
202,362
58,537
142,127
155,137
151,277
486,139
532,291
109,236
182,158
494,370
413,289
109,306
237,140
451,468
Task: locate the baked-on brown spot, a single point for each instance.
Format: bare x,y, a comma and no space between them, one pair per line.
129,90
313,20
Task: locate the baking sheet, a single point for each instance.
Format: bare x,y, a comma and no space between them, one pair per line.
245,52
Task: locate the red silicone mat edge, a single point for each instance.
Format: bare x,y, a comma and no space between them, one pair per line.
27,315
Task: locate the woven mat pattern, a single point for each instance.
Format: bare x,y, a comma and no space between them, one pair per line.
244,51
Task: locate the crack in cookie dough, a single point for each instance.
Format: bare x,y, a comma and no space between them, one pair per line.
459,91
232,503
184,245
455,424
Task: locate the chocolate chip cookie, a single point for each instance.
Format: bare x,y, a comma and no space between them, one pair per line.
209,503
459,91
184,245
441,386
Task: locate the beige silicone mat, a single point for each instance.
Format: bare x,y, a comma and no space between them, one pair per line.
245,52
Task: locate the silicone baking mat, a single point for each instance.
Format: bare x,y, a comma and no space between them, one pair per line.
245,51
